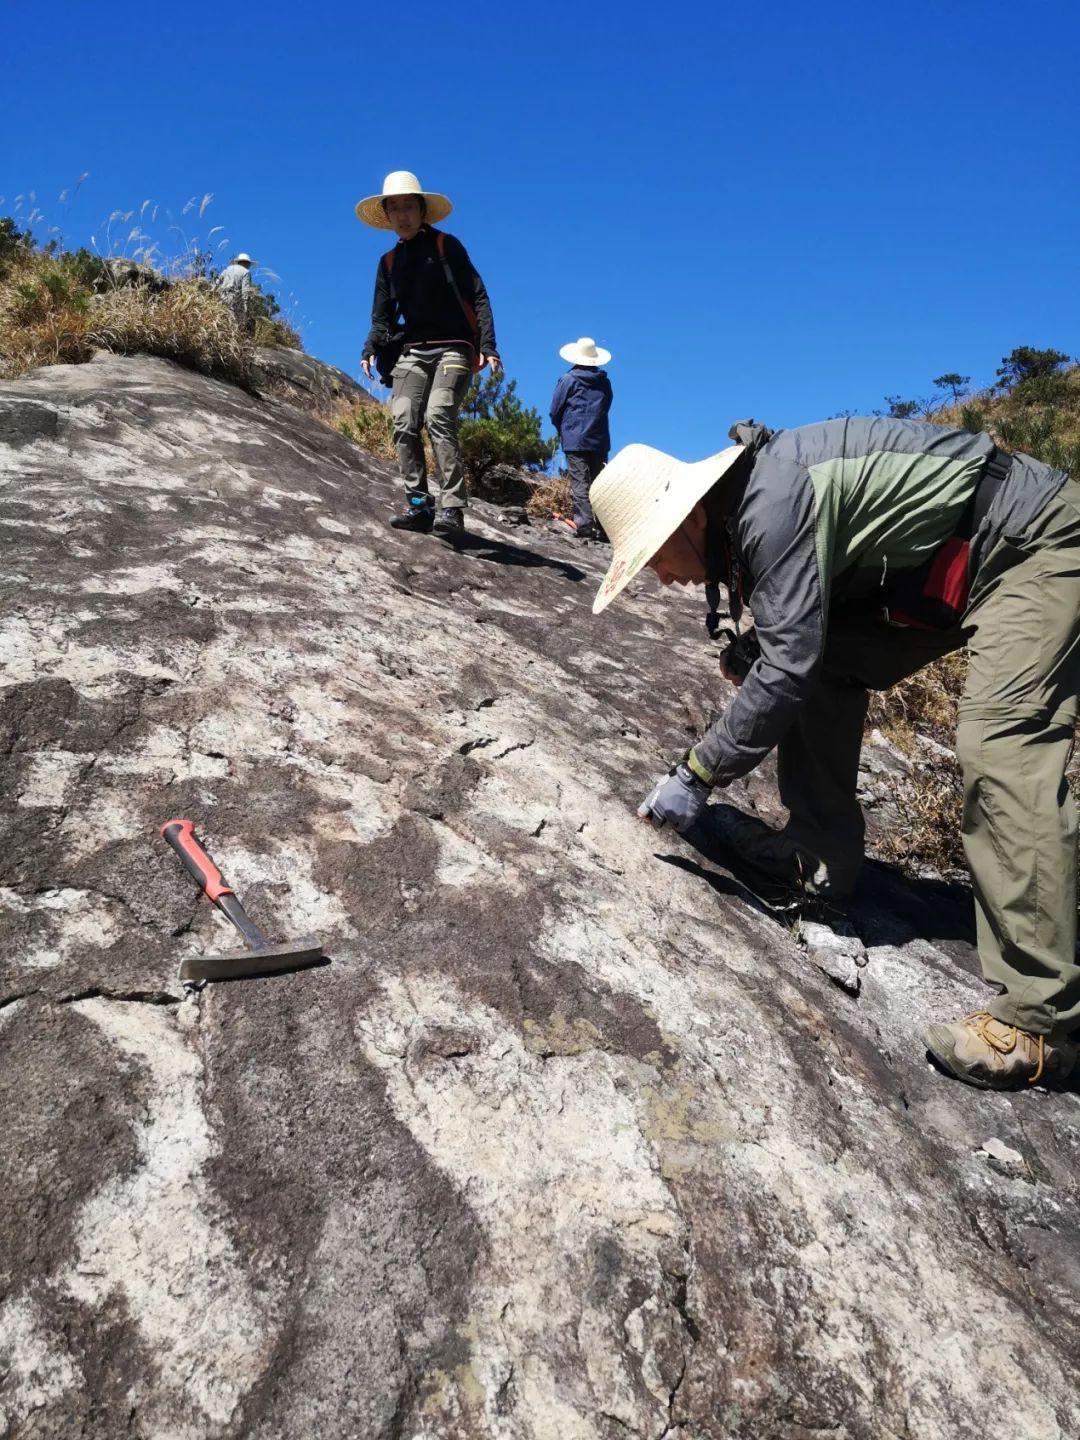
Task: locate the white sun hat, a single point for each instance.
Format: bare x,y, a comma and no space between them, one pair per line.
640,499
243,259
585,352
401,182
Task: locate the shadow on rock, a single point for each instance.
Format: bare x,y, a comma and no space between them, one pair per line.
888,907
502,553
891,908
780,905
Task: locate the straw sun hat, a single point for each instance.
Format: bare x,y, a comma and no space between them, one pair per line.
585,352
641,498
401,182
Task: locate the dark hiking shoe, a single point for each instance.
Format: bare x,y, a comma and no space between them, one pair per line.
773,855
984,1051
563,525
450,523
420,516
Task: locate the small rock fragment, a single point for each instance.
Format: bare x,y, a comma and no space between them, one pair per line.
840,957
998,1150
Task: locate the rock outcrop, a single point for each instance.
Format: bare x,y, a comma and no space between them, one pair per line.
572,1138
310,384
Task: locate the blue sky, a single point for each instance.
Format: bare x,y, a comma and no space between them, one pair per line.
780,210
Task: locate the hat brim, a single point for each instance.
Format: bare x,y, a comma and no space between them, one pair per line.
640,499
371,211
575,357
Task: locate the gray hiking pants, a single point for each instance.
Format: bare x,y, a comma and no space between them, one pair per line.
583,467
1016,725
428,390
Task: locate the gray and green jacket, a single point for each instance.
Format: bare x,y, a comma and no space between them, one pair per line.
831,518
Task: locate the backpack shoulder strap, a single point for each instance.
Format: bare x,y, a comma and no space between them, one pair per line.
388,262
469,311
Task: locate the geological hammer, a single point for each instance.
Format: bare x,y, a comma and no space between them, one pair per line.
261,957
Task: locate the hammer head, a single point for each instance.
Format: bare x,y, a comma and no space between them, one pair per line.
268,960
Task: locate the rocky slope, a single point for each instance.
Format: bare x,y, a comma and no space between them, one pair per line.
572,1139
310,384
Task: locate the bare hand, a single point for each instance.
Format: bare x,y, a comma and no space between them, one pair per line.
365,366
493,361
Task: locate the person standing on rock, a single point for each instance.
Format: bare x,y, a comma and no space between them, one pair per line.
431,329
234,288
868,548
579,412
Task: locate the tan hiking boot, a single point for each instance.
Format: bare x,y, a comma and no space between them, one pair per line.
986,1052
775,855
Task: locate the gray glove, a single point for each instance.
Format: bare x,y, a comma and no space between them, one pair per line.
678,799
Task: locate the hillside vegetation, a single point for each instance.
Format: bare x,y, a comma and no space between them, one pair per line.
58,306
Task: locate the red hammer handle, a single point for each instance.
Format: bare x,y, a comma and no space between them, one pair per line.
180,834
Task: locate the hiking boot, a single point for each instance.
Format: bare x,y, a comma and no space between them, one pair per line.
450,523
420,516
589,530
986,1052
775,855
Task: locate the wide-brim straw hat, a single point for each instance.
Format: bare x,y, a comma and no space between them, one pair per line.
585,352
243,259
641,498
401,182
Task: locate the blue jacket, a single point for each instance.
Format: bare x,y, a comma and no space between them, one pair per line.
579,409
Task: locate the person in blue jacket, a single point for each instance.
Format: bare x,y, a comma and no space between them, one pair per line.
579,411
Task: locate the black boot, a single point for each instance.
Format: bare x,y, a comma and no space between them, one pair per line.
450,523
419,516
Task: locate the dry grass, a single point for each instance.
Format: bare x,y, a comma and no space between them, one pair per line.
550,497
268,332
185,323
925,702
50,314
929,807
368,426
45,317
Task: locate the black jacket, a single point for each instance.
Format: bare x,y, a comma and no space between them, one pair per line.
425,300
579,409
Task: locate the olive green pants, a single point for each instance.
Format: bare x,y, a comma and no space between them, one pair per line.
1016,725
428,390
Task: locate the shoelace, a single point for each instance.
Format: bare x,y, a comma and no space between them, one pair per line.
982,1020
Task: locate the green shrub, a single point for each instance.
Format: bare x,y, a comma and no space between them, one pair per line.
1025,364
497,429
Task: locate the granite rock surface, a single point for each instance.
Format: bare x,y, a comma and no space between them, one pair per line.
570,1139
